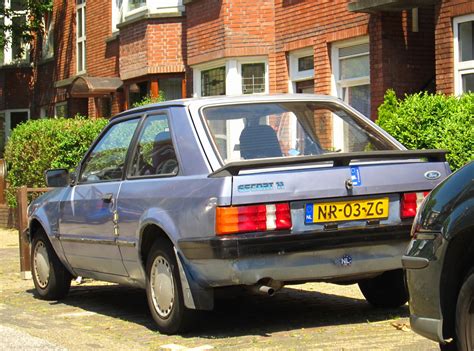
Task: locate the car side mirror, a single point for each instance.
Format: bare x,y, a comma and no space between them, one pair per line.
56,178
72,178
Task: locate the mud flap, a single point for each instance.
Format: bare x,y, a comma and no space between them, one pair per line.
195,297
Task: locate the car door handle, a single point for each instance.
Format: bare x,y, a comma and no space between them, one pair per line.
107,198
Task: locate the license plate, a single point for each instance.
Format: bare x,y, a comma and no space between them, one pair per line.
322,212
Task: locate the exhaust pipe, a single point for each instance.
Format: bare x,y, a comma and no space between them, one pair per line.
266,286
265,290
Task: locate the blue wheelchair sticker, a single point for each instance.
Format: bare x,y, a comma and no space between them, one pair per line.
309,214
355,176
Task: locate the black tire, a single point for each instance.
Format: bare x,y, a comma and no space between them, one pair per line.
465,315
171,316
388,290
52,280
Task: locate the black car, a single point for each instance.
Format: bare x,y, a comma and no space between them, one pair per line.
440,263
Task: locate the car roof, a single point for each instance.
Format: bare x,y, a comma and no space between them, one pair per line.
212,100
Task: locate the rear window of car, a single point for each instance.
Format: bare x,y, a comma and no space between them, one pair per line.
266,130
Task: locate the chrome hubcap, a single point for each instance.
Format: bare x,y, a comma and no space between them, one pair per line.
41,262
162,286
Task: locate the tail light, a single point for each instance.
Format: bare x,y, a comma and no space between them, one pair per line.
254,218
410,202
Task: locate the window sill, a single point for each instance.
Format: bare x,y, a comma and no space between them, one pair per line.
148,13
115,36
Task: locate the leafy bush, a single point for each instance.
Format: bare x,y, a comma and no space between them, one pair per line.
431,121
148,99
37,145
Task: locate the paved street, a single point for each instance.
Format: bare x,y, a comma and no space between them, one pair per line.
105,316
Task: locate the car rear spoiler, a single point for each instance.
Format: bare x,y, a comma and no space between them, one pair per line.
339,160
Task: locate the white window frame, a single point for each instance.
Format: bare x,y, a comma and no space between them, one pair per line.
233,74
8,120
48,32
8,58
60,104
295,75
338,85
233,86
121,13
118,13
81,39
43,112
460,68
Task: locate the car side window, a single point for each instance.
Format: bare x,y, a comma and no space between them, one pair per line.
155,154
107,160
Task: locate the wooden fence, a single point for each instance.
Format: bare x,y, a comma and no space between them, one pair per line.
22,218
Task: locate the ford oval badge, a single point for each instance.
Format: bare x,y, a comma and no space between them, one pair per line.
432,175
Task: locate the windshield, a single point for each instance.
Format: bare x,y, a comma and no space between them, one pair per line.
251,131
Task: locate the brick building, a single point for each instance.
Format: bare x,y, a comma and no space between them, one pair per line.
98,57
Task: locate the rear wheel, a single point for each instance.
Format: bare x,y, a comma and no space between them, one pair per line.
52,280
164,292
387,290
465,315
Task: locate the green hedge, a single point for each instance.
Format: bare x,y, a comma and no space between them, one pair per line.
431,121
38,145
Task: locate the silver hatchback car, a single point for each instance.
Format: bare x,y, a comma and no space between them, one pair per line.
182,197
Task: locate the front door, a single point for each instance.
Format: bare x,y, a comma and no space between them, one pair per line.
88,221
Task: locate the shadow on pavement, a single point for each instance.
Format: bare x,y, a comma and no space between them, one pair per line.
289,309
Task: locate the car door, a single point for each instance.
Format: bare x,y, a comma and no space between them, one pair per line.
88,219
152,186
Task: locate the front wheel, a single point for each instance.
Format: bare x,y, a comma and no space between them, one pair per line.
387,290
164,292
465,315
52,280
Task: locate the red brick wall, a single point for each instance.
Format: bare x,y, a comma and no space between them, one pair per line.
205,30
65,38
102,55
15,88
152,46
226,28
44,91
445,11
400,58
305,23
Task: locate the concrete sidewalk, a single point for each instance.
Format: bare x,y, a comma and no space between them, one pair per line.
99,315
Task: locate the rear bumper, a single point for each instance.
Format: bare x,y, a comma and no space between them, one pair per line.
328,256
279,243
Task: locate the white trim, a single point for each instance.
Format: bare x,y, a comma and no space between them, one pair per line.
151,7
338,85
8,121
249,60
460,68
233,74
43,112
81,39
47,36
197,74
294,74
117,13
